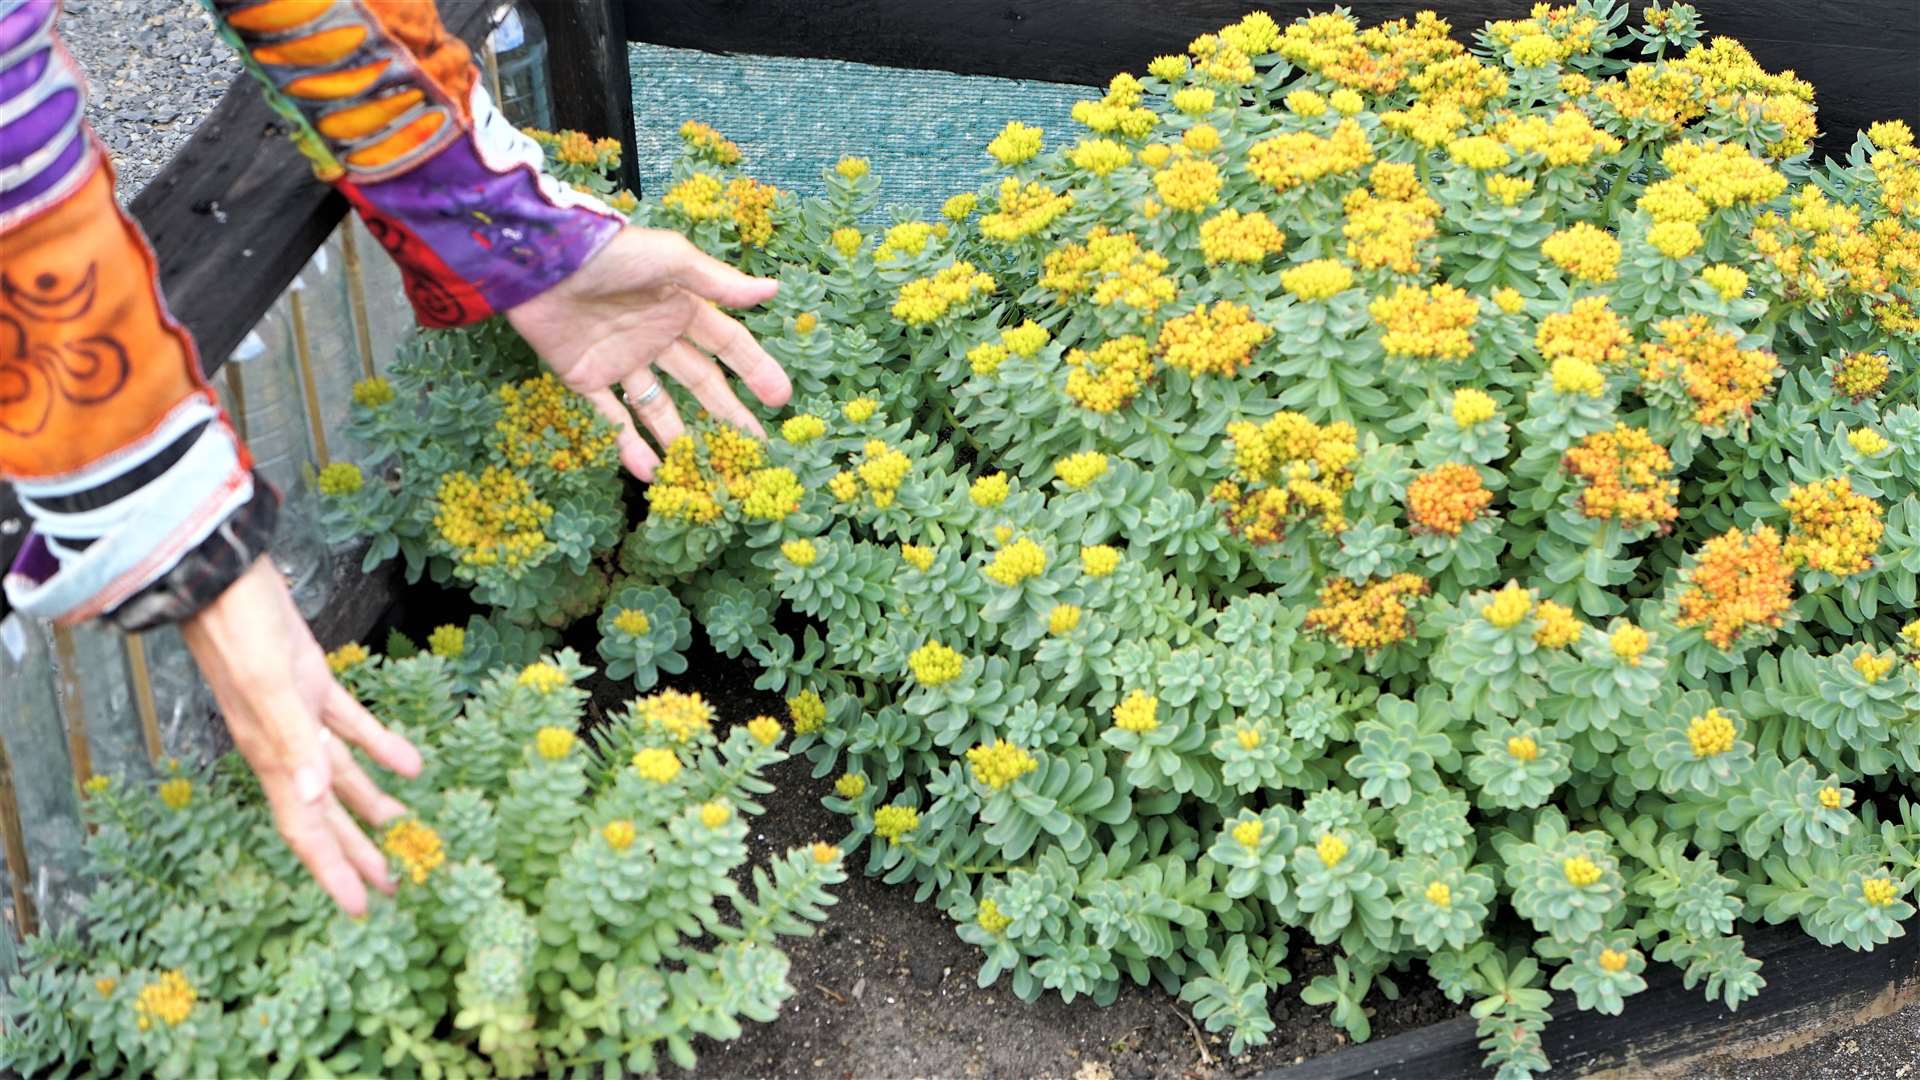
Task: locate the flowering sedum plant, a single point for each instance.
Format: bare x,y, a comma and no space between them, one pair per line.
1458,505
564,903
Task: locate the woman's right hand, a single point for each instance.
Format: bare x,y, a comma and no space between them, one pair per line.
292,721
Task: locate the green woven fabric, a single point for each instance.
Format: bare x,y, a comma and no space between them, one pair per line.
925,131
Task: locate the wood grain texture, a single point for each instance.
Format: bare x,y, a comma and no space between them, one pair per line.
1860,55
232,218
587,61
1808,987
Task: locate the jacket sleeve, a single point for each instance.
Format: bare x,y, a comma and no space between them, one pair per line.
388,107
145,506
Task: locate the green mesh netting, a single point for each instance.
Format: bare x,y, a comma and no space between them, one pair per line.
925,131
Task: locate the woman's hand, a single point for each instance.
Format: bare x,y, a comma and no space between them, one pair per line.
292,721
647,300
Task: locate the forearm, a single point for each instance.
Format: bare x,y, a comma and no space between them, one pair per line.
116,446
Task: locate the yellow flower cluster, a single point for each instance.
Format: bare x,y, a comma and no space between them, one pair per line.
1138,713
1099,156
1464,82
1711,734
170,999
1867,442
1872,666
492,520
1331,849
852,168
1016,562
1571,375
619,834
1211,341
1509,189
1078,470
850,786
417,847
1614,960
1629,643
883,469
341,478
1731,77
1723,174
1376,60
1861,375
1233,237
707,143
1290,159
1739,581
991,919
1624,477
891,823
935,664
1320,279
1063,618
1509,606
542,423
846,240
682,716
1099,560
997,764
802,428
177,793
541,677
1389,219
1523,748
1023,210
347,656
1723,379
658,764
1110,376
553,743
1879,891
372,393
1017,142
1583,251
925,299
1191,185
1472,407
1439,894
1834,528
1729,281
1588,331
1287,466
903,241
1248,833
765,730
1434,323
1568,139
1427,123
1112,268
990,490
799,551
751,206
1581,871
1446,498
1558,626
917,556
1367,615
769,494
807,712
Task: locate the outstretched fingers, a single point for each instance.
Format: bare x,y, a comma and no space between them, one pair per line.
708,384
638,458
724,337
703,275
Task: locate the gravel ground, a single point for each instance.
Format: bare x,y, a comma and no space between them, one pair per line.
154,70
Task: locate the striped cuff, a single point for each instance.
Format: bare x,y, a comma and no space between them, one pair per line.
107,532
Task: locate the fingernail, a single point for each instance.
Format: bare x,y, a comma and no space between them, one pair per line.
309,784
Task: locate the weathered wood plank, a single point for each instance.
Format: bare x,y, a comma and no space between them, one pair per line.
1808,987
587,59
1859,54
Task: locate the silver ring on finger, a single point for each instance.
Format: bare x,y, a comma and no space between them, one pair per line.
645,397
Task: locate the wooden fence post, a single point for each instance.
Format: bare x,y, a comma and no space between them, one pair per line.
587,60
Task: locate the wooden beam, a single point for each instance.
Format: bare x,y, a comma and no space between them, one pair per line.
1810,989
1858,54
587,58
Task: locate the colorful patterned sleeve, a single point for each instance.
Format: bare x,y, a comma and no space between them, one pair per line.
144,504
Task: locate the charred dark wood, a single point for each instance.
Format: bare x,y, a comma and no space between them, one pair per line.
1810,989
1859,54
587,58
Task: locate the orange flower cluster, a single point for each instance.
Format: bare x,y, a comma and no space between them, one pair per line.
1108,377
1212,341
1723,379
1623,477
705,142
1367,615
1835,528
1738,582
1387,221
1660,97
1590,331
1447,498
1861,375
1113,269
1822,246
